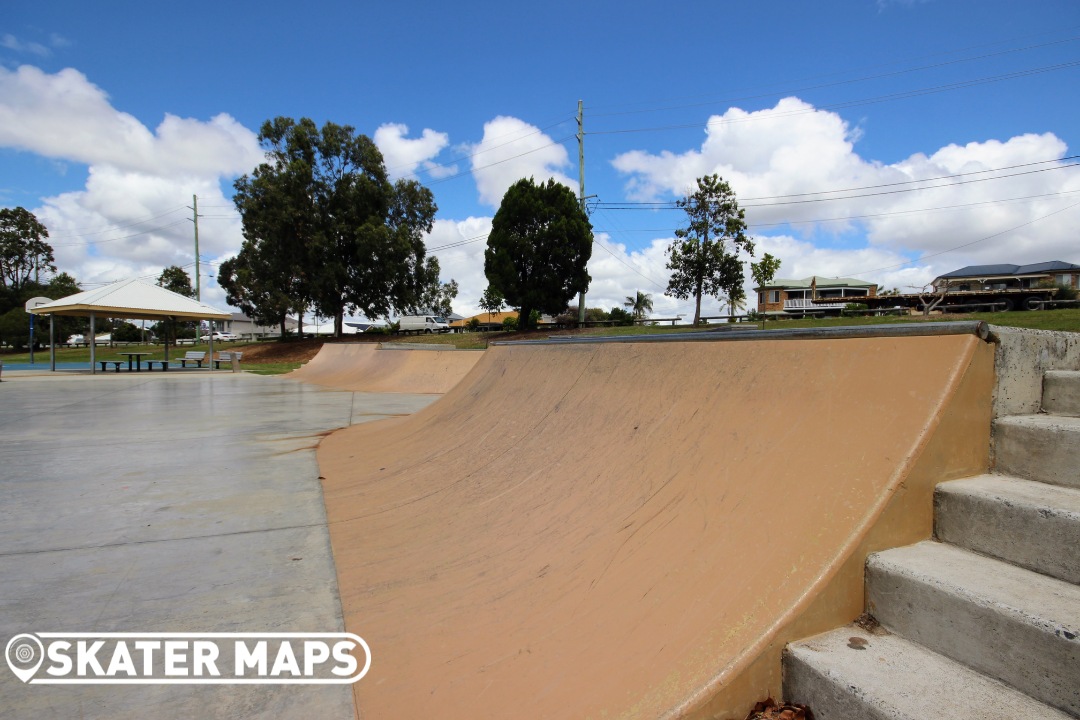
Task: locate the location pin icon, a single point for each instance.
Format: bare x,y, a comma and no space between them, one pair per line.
24,655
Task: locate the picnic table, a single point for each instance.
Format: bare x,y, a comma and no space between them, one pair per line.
137,357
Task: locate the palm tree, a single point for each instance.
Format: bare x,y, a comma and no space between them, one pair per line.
639,304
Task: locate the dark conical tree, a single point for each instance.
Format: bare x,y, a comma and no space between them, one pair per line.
538,248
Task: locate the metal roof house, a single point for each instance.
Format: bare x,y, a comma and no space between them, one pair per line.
1010,277
796,296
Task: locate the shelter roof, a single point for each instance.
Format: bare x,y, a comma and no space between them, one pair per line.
132,298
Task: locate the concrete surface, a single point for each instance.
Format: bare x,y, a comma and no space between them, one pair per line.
850,674
1023,357
1012,624
636,530
1039,447
169,503
1027,523
367,367
1061,392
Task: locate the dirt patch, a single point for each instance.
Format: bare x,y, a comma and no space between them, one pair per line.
772,710
281,352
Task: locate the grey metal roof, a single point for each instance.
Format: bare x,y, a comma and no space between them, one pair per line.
1004,269
822,283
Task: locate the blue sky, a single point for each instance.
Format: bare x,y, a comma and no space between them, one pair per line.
113,114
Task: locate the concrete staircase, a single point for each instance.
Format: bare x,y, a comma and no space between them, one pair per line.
983,622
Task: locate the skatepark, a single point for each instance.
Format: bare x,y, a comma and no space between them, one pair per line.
557,529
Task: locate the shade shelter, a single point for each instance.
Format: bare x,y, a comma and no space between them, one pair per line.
129,299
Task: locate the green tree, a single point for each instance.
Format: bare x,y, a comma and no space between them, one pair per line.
764,271
704,259
248,281
538,248
23,250
492,301
176,279
438,298
639,304
324,227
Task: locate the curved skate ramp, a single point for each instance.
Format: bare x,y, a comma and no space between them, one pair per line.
368,367
635,530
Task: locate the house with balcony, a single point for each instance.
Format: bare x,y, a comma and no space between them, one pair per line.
974,278
795,297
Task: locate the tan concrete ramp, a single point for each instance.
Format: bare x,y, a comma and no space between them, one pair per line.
367,367
635,530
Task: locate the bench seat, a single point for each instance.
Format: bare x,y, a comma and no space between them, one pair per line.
194,356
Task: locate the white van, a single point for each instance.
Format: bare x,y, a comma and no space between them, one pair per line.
422,324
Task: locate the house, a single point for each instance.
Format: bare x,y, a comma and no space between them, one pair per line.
240,324
796,296
488,321
1010,277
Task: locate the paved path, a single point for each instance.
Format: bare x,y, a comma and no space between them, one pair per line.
169,504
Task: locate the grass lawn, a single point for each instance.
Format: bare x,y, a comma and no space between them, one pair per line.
278,368
273,358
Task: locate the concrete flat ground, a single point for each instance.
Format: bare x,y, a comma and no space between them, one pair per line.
169,503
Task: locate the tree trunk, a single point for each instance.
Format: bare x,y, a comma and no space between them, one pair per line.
523,318
697,303
339,323
284,330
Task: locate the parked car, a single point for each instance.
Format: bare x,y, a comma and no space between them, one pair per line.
76,340
222,337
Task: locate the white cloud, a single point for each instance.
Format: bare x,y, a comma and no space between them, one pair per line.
403,155
130,218
65,116
779,158
465,261
510,150
10,42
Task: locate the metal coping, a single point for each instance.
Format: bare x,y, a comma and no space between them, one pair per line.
967,327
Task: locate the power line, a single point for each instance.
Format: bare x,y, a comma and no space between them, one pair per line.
469,156
84,233
837,83
967,244
851,103
749,202
125,237
464,173
842,218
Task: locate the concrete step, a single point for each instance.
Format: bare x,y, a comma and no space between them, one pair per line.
1027,523
850,674
1039,447
1061,392
1012,624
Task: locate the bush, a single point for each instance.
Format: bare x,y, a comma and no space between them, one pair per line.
621,316
1065,292
474,324
510,324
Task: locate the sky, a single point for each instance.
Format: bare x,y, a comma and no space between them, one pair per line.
887,140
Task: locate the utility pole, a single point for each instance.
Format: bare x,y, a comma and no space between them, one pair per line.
195,219
581,194
198,289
